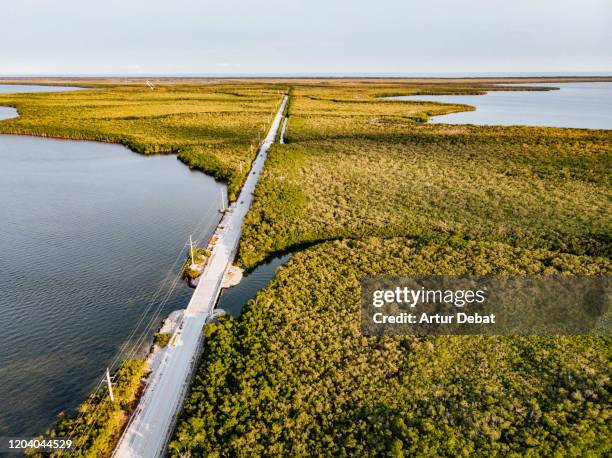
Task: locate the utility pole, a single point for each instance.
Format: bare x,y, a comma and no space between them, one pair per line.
191,252
110,386
222,200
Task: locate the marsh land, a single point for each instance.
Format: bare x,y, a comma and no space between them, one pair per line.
366,186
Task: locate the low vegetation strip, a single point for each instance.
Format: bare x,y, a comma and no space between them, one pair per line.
210,127
98,422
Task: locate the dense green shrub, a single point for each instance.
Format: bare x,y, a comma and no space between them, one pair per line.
527,186
294,377
377,191
162,338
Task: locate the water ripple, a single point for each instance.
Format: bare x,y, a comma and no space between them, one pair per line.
88,232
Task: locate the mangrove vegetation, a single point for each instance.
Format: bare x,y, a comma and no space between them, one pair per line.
364,186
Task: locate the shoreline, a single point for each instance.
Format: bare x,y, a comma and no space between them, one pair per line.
152,423
196,155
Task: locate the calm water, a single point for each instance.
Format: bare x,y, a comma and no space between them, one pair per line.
8,112
88,233
583,105
233,299
28,88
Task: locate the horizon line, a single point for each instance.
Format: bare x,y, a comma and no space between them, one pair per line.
432,75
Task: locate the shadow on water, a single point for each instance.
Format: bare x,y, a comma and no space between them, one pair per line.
233,299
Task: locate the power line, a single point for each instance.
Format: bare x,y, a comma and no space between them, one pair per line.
123,350
131,347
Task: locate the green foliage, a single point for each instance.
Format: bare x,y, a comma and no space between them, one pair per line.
162,338
294,377
189,273
377,191
98,422
209,126
285,203
361,168
200,256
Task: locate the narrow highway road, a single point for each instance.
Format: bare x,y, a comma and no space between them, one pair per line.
151,424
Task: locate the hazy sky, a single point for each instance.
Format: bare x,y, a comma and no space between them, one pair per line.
304,36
